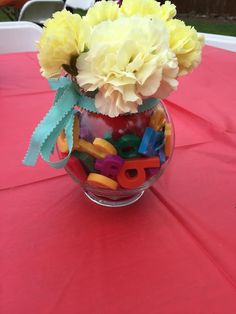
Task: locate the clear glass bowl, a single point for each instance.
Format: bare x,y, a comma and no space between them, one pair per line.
116,159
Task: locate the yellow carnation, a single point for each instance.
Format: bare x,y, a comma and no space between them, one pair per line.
140,7
148,8
128,59
102,11
167,11
186,44
62,38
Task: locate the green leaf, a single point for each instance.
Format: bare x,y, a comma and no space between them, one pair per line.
69,69
73,62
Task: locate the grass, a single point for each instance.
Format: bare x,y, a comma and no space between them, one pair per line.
213,26
205,25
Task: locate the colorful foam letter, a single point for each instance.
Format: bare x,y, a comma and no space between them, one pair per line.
157,120
167,148
110,165
132,174
104,146
76,132
128,145
89,148
87,160
62,143
101,181
150,142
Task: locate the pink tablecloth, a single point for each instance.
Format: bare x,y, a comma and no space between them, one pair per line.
172,252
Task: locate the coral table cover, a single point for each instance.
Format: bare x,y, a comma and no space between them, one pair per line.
174,251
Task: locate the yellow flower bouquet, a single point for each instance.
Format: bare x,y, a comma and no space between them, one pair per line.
111,68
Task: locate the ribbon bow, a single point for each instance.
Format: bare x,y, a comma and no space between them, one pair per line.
59,117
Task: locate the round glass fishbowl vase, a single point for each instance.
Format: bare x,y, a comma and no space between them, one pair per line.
115,160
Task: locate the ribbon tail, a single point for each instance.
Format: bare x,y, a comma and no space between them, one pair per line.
54,121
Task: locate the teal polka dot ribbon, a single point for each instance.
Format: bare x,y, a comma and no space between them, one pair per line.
59,117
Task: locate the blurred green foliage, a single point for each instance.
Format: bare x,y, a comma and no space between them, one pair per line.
212,26
201,24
